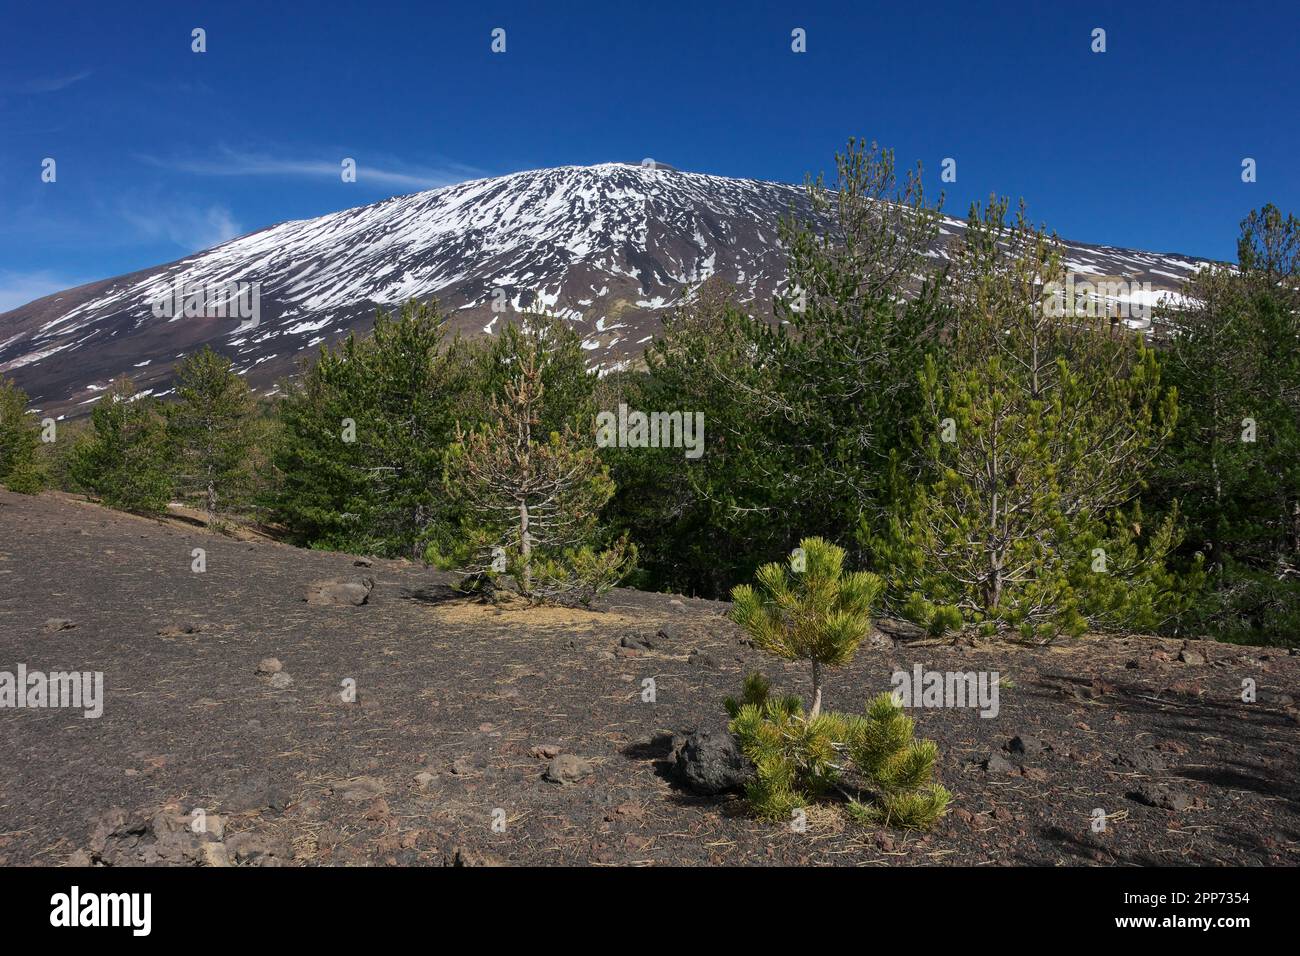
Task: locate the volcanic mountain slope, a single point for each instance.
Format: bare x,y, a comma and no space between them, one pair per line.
607,247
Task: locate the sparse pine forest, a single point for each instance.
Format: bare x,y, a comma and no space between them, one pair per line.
991,462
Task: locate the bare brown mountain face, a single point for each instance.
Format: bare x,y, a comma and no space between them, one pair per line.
609,248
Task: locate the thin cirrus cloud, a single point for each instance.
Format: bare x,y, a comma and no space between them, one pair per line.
52,84
233,163
192,227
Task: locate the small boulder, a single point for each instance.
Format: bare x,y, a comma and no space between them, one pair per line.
55,624
351,592
702,659
996,763
1024,744
269,665
162,837
215,854
709,761
1162,797
568,768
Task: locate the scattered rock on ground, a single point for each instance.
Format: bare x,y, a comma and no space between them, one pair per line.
352,591
146,838
567,768
1029,746
704,659
996,763
709,761
1162,796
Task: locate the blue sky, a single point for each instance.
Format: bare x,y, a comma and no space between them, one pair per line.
161,151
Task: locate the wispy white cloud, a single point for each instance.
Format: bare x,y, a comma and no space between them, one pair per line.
381,171
190,226
19,288
52,84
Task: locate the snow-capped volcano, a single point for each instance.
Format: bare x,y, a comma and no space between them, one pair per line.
606,247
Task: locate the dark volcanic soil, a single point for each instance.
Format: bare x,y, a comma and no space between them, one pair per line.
464,693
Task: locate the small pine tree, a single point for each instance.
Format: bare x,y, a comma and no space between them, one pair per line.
531,500
212,427
124,456
20,468
816,612
897,766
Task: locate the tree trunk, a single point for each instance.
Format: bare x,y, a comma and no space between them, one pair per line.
525,552
817,690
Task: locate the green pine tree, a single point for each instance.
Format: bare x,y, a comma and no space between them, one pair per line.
805,414
20,466
1234,462
124,458
1037,435
362,435
810,610
704,524
813,611
213,427
530,498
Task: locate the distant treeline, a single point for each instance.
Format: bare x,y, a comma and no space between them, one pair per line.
1002,457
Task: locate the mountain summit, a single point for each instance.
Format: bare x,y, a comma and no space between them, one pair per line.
607,247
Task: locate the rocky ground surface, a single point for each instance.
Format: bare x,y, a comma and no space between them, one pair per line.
320,709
